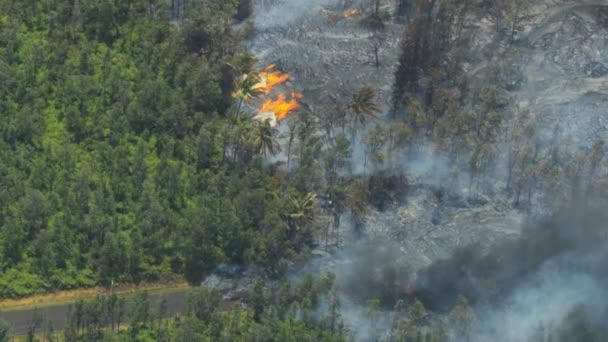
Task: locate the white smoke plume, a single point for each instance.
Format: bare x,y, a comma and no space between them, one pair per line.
543,301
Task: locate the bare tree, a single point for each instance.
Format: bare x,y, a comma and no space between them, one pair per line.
378,39
512,11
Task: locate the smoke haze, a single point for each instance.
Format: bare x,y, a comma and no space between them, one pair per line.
544,300
283,12
514,287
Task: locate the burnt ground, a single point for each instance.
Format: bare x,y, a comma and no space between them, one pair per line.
557,66
329,59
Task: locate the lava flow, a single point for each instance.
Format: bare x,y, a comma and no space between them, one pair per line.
281,107
270,79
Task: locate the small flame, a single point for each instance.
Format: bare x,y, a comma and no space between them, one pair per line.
281,107
270,79
351,13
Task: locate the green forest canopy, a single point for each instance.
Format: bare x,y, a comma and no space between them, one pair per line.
118,157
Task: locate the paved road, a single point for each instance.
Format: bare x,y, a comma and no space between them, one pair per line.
20,320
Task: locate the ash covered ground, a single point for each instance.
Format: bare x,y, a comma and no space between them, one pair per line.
326,60
557,66
561,63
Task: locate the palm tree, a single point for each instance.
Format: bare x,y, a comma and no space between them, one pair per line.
264,138
363,107
241,138
245,90
302,210
292,129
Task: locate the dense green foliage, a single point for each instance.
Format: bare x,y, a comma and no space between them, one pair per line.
124,157
294,315
119,161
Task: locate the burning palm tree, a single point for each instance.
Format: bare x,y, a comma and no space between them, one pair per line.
245,90
246,86
269,79
254,84
278,109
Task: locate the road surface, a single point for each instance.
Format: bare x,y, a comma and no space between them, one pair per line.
19,320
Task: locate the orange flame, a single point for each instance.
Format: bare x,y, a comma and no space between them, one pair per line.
270,79
351,13
281,107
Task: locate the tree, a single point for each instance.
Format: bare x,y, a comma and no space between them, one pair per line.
399,136
521,131
242,139
163,309
378,16
35,325
121,310
50,332
264,138
375,142
244,9
307,175
403,7
245,91
596,156
76,20
417,312
201,251
111,309
334,311
399,329
376,20
413,43
461,316
337,158
292,128
202,303
480,162
363,106
512,11
378,39
140,312
301,210
357,194
4,331
372,312
259,299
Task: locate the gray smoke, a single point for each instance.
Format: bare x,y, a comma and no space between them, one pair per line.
545,299
515,287
557,265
